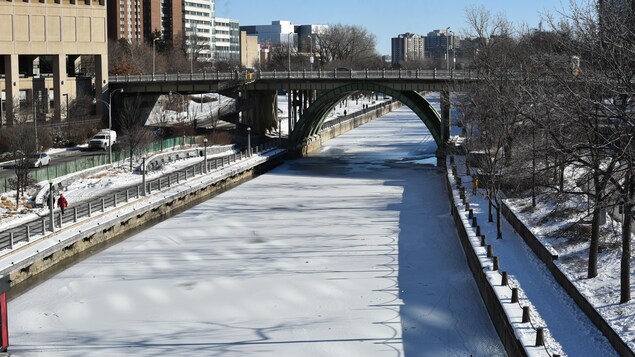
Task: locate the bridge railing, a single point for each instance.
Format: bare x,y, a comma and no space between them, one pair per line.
171,77
340,73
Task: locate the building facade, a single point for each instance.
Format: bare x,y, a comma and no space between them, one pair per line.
279,32
442,45
164,17
125,20
50,50
226,43
250,54
407,47
199,28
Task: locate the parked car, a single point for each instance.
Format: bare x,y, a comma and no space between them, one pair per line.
39,160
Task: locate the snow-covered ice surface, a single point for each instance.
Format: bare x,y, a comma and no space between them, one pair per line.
351,252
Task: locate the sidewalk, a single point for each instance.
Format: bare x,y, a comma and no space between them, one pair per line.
568,325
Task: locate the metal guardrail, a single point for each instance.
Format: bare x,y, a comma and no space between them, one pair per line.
87,208
408,74
339,120
56,170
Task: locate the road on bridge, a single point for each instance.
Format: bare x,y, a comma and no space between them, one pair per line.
350,252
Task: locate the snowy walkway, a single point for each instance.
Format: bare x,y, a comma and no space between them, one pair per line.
567,323
350,253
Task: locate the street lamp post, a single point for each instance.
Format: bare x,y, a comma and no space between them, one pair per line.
311,54
289,48
110,124
109,105
249,141
205,156
50,203
154,54
447,48
37,147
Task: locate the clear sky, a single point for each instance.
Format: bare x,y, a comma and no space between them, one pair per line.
386,19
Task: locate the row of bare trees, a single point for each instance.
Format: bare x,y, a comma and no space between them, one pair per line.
339,46
554,115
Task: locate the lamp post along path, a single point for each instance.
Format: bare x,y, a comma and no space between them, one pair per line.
249,141
110,124
51,204
154,55
311,54
109,105
205,155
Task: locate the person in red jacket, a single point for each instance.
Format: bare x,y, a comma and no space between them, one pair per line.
62,203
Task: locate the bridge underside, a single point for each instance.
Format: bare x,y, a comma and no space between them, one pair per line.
313,118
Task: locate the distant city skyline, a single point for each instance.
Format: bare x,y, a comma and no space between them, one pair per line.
385,19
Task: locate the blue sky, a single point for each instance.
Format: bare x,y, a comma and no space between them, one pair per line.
385,19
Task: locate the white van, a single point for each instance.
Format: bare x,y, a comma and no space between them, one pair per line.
102,139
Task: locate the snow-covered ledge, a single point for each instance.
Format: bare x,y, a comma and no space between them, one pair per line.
500,293
549,257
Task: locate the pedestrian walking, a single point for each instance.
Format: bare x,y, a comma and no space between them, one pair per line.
62,203
474,184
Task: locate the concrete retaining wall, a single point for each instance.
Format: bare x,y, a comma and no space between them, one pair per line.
549,260
494,307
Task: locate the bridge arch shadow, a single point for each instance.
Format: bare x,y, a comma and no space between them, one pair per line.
314,117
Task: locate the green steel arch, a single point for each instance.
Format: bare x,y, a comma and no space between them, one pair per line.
312,119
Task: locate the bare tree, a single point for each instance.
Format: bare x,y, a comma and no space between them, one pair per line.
348,46
20,139
135,136
491,108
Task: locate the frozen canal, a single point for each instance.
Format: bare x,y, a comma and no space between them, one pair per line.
351,252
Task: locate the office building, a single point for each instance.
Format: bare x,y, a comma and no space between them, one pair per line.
279,32
49,51
298,37
226,40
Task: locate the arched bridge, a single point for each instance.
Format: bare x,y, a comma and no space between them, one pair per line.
313,118
312,94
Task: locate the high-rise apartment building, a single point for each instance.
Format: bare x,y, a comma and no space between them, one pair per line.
189,24
165,17
198,18
125,20
439,44
407,47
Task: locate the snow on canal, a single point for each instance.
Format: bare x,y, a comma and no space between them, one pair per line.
351,252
